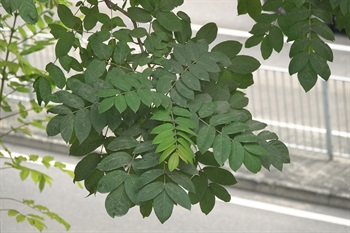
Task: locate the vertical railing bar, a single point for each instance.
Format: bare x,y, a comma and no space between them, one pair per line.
285,101
294,107
318,114
347,123
277,102
327,116
302,117
261,101
308,97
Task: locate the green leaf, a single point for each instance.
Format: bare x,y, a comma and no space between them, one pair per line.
117,202
173,161
266,47
236,127
247,138
191,81
86,166
56,74
28,12
320,66
184,90
208,202
70,99
131,187
163,206
66,127
169,21
230,48
219,175
205,139
198,72
20,218
120,103
256,149
67,17
298,62
132,100
207,32
221,148
114,161
149,176
12,212
64,44
94,70
106,104
111,181
82,124
138,33
243,64
122,143
220,192
322,49
82,89
178,195
98,121
91,143
182,179
91,182
253,8
307,77
121,52
276,38
42,88
139,15
236,157
254,40
323,30
150,191
251,162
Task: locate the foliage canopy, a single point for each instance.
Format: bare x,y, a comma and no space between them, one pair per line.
155,111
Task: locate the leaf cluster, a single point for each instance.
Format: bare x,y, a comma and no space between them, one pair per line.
305,24
153,109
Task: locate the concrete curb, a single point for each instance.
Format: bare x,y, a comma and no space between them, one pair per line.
292,191
246,181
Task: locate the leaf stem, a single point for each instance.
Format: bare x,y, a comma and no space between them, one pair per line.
4,74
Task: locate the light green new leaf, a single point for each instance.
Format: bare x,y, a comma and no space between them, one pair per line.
173,161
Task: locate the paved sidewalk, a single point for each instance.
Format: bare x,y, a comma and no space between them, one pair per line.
309,177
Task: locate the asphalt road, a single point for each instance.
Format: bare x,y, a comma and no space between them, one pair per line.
247,212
